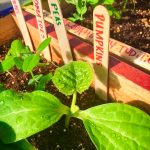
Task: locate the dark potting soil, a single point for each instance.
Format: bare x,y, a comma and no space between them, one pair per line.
56,137
134,26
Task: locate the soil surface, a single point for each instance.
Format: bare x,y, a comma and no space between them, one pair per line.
134,26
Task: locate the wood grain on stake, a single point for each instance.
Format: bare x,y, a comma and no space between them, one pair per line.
101,24
124,51
22,24
60,30
41,26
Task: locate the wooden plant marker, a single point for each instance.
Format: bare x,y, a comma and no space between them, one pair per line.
101,23
22,24
123,51
41,26
60,30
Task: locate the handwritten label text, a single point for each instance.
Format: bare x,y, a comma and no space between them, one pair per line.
99,38
39,18
56,13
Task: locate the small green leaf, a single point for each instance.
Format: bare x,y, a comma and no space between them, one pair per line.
7,64
24,115
43,81
117,127
43,45
75,17
93,2
75,76
35,79
18,62
1,87
81,7
26,50
30,62
21,145
16,48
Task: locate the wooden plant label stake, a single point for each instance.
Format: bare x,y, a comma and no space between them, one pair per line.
101,24
41,26
60,30
124,51
22,24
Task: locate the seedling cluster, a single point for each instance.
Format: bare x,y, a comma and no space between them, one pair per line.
82,8
21,57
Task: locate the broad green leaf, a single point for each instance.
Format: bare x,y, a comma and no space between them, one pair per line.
30,62
16,48
75,76
24,115
117,127
43,45
43,81
35,79
7,64
20,145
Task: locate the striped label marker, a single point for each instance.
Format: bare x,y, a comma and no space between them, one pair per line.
101,24
22,24
41,26
60,30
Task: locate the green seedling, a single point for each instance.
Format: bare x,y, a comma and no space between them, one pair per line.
21,57
40,81
110,126
81,8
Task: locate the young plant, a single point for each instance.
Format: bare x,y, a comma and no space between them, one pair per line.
20,56
81,8
110,126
